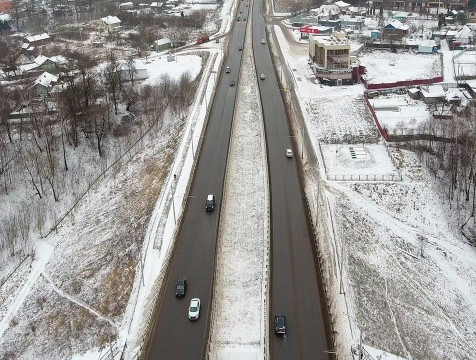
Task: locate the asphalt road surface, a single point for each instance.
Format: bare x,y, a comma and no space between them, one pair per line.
174,335
294,282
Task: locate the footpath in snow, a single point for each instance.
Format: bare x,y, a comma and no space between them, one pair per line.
240,287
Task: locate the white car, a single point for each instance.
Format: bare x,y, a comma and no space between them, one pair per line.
289,153
262,77
263,42
194,309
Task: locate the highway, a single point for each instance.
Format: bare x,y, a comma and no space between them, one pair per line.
174,335
294,279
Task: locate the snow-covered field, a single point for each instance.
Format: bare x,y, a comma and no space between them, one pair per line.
407,273
383,66
243,234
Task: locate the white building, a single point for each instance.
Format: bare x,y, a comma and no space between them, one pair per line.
110,23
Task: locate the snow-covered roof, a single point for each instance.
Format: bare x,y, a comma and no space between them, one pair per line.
111,20
156,4
433,91
163,41
413,90
396,24
428,43
27,67
341,4
464,33
330,40
5,17
326,10
126,4
46,79
40,60
25,46
39,37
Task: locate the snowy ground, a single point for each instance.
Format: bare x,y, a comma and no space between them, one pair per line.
407,274
358,162
400,114
383,66
244,231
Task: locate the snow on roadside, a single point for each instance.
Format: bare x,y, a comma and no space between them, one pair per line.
244,231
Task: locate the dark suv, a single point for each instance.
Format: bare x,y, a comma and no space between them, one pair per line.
210,203
180,287
280,324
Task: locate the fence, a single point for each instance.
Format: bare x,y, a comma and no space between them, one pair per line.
371,109
404,83
366,177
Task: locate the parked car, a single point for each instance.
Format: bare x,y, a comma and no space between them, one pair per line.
280,324
194,309
180,287
262,77
210,202
289,153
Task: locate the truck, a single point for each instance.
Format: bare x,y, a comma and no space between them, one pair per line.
203,39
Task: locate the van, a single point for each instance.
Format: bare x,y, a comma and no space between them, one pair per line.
210,203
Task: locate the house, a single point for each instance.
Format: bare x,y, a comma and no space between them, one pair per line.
37,40
6,5
44,83
471,14
395,30
375,35
432,94
126,6
305,31
326,11
330,56
402,17
110,23
343,6
414,93
427,47
43,64
162,44
333,23
144,8
156,6
464,35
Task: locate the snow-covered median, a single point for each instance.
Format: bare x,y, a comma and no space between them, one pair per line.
238,327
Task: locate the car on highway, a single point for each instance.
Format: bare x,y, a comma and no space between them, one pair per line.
289,153
263,41
240,48
238,18
194,309
262,77
244,19
280,324
210,203
232,83
227,70
180,287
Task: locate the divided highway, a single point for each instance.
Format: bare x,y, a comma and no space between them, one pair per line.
174,335
294,282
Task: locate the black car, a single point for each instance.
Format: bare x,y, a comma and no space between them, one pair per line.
232,83
240,48
280,324
210,202
180,287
